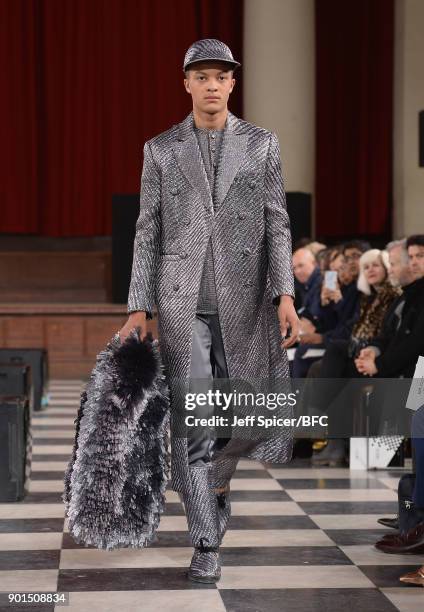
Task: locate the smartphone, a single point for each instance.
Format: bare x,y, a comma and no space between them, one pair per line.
330,280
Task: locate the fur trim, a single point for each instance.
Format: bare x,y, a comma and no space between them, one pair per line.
116,478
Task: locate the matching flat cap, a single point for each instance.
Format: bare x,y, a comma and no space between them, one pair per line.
209,49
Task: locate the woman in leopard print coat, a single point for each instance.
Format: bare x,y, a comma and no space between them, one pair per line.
378,294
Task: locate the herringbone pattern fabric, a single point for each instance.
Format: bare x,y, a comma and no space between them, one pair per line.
205,564
224,468
201,506
206,49
251,242
202,519
210,144
223,513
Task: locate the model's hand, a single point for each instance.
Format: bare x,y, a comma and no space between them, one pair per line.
135,319
288,318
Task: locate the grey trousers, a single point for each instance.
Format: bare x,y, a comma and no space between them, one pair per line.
207,365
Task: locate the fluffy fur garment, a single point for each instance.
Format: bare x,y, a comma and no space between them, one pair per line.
116,478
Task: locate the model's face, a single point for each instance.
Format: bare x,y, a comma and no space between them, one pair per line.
210,85
375,272
416,260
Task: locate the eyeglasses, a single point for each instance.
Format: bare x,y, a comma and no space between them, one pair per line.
353,257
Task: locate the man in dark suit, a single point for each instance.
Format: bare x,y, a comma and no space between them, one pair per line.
395,354
396,351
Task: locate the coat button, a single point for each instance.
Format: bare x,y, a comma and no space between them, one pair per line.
252,184
175,287
175,190
240,215
248,283
186,221
246,251
184,255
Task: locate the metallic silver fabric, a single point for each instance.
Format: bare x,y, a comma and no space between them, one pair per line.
252,255
224,467
206,346
209,49
201,511
223,513
204,566
200,507
210,145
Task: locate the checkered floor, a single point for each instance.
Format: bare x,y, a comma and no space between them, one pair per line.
300,539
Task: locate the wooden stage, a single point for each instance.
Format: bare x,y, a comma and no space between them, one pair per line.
55,293
72,333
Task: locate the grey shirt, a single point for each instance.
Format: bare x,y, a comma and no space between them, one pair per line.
209,144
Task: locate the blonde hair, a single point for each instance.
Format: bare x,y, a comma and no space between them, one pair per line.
368,257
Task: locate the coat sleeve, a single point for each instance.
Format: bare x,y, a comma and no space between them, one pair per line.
277,225
141,295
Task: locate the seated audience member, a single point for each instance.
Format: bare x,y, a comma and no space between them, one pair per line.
403,343
335,318
302,242
336,258
395,352
415,537
307,283
323,258
316,247
337,364
336,263
340,305
326,256
377,295
412,540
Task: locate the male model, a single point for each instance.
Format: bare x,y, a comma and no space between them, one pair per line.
212,252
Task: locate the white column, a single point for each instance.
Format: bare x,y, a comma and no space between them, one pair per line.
408,187
279,81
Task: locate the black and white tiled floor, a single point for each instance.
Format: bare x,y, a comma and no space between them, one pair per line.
300,539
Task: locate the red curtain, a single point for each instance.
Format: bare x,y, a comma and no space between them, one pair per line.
354,106
83,84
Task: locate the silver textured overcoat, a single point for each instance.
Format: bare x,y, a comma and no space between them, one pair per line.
251,243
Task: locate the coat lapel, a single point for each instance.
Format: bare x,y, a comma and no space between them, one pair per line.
189,158
233,151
